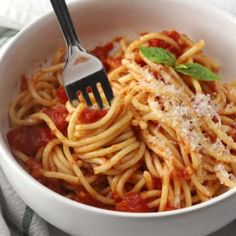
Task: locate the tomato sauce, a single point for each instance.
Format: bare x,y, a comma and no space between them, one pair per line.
35,170
163,44
102,53
61,94
172,34
158,43
116,197
82,196
132,202
113,62
232,133
211,85
90,115
54,185
182,174
29,139
139,60
157,183
58,115
23,83
169,207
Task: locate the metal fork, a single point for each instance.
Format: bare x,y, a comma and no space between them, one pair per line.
82,71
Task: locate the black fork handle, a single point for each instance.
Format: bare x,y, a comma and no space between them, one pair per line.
67,27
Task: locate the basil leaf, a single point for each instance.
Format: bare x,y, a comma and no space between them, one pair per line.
158,55
197,71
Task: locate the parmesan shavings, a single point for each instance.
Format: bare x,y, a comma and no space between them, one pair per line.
155,140
203,107
221,169
148,76
220,148
154,84
225,178
169,109
180,117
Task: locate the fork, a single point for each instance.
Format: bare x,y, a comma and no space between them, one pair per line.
82,71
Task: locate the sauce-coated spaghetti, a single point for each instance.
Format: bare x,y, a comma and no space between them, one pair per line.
168,141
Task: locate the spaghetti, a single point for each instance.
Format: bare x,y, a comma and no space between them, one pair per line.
168,141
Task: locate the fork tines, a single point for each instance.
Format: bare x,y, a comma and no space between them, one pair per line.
89,84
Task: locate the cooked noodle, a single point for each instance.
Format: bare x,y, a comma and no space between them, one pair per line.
168,141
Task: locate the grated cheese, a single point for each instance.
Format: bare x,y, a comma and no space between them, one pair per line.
232,177
180,117
165,76
221,169
170,109
148,76
203,107
220,148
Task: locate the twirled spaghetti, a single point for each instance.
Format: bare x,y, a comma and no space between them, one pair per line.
168,141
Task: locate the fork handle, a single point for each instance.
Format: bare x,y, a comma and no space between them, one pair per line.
63,16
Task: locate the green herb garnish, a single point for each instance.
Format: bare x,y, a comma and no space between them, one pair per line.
158,55
197,71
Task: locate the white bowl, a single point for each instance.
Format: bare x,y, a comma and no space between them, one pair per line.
98,21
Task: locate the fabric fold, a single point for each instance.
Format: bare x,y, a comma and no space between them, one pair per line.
17,215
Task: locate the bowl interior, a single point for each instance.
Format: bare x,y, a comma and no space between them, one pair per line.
99,21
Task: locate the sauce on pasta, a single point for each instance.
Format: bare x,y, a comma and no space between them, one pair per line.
167,141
